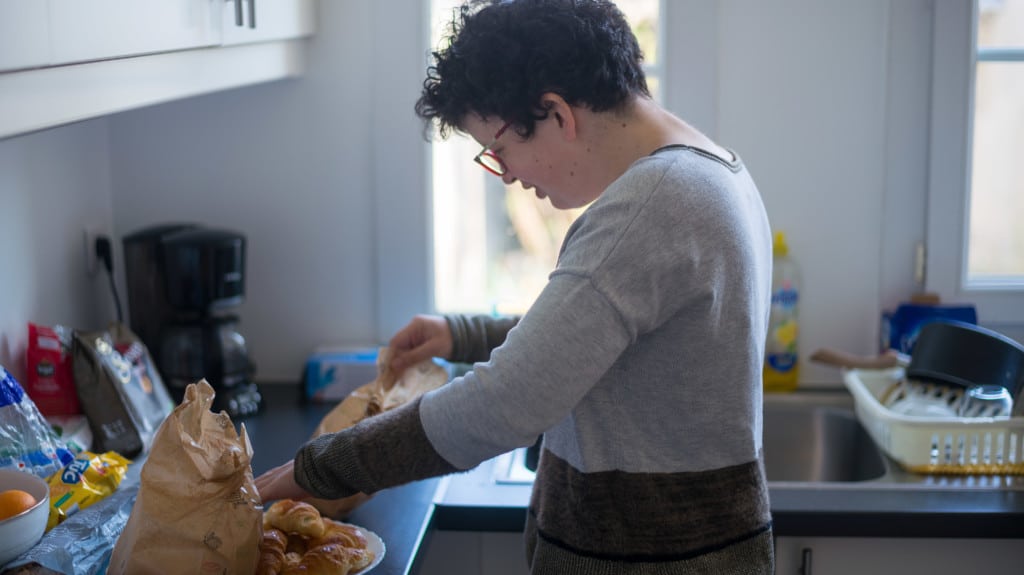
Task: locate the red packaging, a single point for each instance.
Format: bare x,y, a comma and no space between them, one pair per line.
49,372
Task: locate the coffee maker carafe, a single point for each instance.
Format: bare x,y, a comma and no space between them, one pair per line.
184,281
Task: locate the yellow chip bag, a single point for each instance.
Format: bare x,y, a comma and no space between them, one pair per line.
84,481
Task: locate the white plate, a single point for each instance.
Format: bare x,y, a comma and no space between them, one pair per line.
374,544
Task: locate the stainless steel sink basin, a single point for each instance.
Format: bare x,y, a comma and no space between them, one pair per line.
813,439
818,444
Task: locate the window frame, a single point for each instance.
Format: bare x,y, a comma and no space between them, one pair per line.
948,214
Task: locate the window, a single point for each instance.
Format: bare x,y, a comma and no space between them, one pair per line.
976,197
996,240
494,246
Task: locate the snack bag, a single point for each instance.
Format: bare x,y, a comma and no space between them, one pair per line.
197,509
121,391
27,443
48,370
84,481
384,393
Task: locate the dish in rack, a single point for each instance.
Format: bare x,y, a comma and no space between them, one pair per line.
934,444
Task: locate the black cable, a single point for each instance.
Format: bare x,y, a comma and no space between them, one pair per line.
103,253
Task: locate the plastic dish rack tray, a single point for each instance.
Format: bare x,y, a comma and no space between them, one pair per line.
935,445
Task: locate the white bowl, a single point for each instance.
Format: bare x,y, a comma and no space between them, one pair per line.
20,533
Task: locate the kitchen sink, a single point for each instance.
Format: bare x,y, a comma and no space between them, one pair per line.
813,438
817,443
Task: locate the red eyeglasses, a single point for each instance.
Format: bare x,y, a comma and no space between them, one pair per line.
489,160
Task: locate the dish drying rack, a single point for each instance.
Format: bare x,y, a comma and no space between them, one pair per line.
934,445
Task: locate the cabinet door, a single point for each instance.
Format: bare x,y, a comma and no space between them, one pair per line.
260,20
24,37
896,556
83,30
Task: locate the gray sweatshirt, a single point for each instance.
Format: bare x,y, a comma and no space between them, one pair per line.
640,363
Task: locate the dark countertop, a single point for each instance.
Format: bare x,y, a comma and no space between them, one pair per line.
404,517
400,516
474,502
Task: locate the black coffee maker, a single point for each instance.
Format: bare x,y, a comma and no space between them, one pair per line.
184,280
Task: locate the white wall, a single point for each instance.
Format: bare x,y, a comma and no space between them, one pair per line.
324,176
801,97
289,165
52,185
825,100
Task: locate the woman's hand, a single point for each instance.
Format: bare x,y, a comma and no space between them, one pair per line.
279,483
426,336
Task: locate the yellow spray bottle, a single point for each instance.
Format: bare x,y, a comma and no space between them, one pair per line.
781,355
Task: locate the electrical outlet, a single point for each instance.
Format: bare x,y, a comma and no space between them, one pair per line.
92,264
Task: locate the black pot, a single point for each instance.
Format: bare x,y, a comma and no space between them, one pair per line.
957,353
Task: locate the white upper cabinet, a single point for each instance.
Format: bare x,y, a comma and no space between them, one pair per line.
65,61
261,20
24,36
84,30
39,33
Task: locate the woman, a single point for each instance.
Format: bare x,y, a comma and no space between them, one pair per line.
640,362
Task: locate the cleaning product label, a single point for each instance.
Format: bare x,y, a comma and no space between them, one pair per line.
782,362
785,299
781,352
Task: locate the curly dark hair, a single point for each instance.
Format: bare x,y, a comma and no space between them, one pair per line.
502,55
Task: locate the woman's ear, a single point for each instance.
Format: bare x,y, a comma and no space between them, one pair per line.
562,112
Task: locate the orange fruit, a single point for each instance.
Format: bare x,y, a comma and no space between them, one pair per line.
14,501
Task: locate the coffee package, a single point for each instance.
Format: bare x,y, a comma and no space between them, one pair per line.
120,390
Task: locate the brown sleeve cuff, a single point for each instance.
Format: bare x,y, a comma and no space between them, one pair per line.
475,336
383,451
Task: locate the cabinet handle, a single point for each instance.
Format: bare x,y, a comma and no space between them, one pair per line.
252,13
805,564
238,11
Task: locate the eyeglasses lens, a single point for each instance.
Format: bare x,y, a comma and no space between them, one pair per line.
492,163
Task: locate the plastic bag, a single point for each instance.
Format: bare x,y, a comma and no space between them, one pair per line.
27,443
82,544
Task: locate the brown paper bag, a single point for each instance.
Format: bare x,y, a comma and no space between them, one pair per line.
197,510
382,394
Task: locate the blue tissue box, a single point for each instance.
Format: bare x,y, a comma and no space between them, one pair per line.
332,374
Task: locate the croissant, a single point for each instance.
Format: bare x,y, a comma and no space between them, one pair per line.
341,534
272,550
297,544
331,559
291,561
294,517
359,558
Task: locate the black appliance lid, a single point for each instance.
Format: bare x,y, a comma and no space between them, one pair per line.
155,233
202,236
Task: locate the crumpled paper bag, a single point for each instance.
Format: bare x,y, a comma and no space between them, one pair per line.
384,393
197,510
